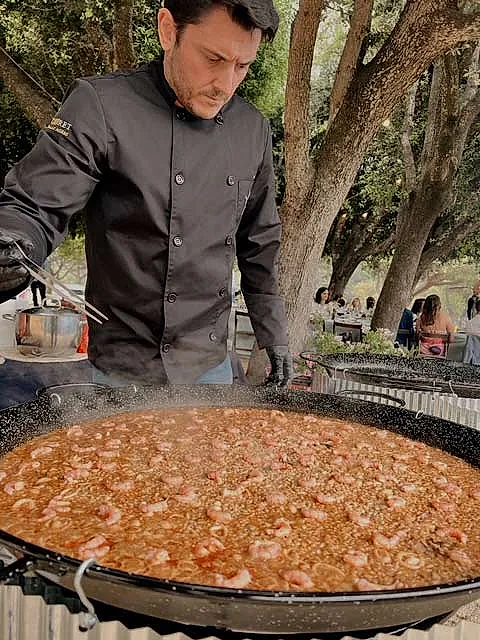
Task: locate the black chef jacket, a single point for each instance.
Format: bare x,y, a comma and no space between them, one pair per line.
169,199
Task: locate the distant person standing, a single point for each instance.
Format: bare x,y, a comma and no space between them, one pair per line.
39,292
471,312
369,306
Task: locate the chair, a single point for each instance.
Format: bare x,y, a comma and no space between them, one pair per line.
350,332
433,345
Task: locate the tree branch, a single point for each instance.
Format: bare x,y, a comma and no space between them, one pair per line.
100,42
350,59
297,96
33,102
406,136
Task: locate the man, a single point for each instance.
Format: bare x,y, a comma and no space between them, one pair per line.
175,174
471,309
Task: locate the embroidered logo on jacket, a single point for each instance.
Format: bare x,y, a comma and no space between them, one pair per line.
60,126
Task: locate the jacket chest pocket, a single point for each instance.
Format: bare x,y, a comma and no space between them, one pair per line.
243,194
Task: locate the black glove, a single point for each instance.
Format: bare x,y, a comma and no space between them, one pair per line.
12,274
282,366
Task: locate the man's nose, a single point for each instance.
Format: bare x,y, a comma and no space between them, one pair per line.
225,80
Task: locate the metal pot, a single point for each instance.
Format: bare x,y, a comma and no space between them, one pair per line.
49,330
239,610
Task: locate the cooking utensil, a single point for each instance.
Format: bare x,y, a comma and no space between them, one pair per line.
422,374
48,330
58,287
246,611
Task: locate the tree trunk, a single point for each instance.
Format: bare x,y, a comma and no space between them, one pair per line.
123,51
36,106
343,270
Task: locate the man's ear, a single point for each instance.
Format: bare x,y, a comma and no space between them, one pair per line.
167,29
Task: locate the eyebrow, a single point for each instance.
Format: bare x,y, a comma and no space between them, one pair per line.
222,57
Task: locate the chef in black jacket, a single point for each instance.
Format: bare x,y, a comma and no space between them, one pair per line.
175,174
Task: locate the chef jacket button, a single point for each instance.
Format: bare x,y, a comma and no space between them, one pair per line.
229,241
166,347
180,114
179,178
172,297
213,336
177,241
230,181
222,292
219,118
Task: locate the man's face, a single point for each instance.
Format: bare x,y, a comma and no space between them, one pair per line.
206,62
476,289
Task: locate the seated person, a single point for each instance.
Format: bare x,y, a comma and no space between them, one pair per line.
369,306
434,321
406,335
471,302
323,306
355,307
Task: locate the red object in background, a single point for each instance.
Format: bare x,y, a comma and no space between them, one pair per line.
83,346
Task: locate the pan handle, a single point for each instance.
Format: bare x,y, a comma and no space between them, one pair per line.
9,316
54,392
385,396
9,572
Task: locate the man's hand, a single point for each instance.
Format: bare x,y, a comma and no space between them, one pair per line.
12,274
282,366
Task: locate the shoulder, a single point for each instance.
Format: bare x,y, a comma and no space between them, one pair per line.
121,81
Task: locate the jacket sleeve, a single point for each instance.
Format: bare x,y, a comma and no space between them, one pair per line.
258,242
56,179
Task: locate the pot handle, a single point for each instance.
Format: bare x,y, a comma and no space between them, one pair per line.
9,572
8,316
54,391
385,396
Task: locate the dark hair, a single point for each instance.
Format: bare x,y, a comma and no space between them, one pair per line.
477,305
417,305
341,302
370,301
250,14
431,307
318,295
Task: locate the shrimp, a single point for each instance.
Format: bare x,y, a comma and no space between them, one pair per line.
75,431
439,466
238,581
475,493
326,499
361,584
276,499
456,534
107,453
215,513
263,550
113,443
24,502
157,556
40,451
13,487
298,578
283,528
396,503
207,547
216,475
106,466
156,460
313,514
172,481
356,558
94,542
187,495
48,514
156,507
459,556
380,540
220,445
307,483
452,489
410,560
78,449
3,474
443,505
126,485
76,474
409,488
253,478
356,518
164,446
77,463
111,515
